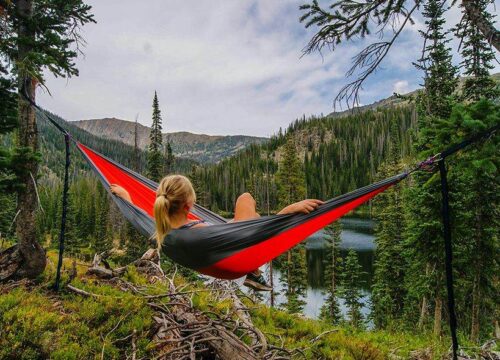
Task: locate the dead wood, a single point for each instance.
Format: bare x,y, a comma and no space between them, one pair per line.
181,331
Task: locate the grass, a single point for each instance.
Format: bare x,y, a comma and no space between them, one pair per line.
37,323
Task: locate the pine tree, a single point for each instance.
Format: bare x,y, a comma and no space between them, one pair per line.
478,57
474,207
290,176
137,161
102,237
331,310
169,159
136,244
73,241
388,291
290,179
155,156
8,180
351,278
423,238
440,79
37,36
199,186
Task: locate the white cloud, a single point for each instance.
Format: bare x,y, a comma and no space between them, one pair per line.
219,66
401,87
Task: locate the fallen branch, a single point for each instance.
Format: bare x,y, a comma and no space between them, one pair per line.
81,292
323,334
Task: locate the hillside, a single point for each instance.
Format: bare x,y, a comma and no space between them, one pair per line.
52,148
131,316
339,154
199,147
392,100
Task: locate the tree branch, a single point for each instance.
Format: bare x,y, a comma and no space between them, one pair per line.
491,34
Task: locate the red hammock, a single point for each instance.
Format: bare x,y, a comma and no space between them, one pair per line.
224,250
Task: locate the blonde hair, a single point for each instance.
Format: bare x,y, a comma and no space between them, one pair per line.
172,195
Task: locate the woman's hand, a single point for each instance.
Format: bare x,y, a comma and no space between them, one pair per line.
303,207
120,192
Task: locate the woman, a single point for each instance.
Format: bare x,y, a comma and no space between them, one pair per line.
175,198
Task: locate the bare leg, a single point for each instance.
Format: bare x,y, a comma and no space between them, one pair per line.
245,208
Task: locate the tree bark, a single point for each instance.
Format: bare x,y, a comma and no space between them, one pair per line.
423,313
473,13
438,309
423,309
474,332
27,258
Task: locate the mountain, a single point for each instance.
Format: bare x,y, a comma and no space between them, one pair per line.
394,100
52,149
339,154
199,147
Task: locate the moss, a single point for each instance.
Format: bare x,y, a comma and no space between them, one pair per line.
36,323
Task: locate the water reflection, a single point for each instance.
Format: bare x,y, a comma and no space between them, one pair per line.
356,234
316,267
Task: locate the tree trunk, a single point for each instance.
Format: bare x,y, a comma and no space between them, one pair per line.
423,309
438,309
27,258
289,270
473,13
474,331
332,307
423,313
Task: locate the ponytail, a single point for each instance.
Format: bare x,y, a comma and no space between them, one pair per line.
173,193
162,217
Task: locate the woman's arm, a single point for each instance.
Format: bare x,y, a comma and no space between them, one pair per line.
304,207
120,192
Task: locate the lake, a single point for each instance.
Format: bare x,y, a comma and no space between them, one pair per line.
356,234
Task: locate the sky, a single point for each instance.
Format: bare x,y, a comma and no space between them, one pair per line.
220,67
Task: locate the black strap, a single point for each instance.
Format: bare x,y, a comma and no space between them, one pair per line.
191,224
50,118
448,255
67,138
64,211
453,149
429,164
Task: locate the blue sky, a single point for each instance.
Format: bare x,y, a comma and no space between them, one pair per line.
219,67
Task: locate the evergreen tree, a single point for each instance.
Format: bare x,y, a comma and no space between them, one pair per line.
290,180
101,236
388,291
7,215
331,310
290,176
136,244
351,278
155,157
36,36
478,57
199,186
440,79
346,21
169,159
474,209
73,241
8,180
423,240
137,160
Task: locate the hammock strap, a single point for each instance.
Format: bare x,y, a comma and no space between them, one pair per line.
448,255
64,212
429,163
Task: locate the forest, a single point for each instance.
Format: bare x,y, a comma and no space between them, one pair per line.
320,157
